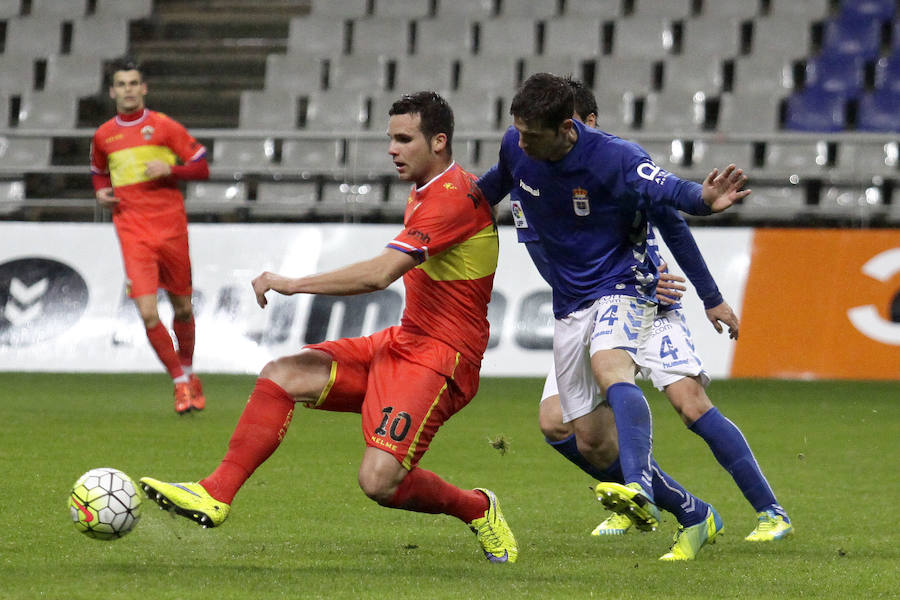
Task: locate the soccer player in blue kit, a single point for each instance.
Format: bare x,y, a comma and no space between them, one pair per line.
586,194
674,368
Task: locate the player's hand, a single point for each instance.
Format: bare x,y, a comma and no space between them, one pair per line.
269,281
106,197
669,288
721,190
157,168
720,314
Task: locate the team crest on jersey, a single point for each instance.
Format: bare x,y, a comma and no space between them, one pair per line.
581,202
449,186
147,132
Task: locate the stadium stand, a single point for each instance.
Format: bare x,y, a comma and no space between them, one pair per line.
291,95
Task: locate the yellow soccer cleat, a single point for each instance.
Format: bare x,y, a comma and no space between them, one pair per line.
689,540
615,524
770,527
189,500
493,532
631,501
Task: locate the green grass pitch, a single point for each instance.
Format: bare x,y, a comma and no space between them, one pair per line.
301,528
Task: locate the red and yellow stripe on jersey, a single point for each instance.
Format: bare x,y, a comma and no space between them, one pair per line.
450,232
121,148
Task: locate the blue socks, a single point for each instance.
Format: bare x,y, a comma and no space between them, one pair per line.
669,495
635,428
730,448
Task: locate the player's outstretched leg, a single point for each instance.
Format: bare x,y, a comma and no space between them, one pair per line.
190,500
770,527
689,540
493,532
631,501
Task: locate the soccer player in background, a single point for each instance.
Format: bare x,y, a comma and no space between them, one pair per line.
675,369
406,380
586,197
137,159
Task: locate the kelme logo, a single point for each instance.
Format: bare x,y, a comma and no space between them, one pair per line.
39,299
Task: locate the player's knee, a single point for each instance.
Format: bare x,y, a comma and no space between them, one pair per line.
555,431
601,449
379,489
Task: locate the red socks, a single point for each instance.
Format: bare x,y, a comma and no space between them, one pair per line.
258,433
162,343
184,333
425,492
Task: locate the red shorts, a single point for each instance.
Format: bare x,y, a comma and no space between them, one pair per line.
150,265
404,385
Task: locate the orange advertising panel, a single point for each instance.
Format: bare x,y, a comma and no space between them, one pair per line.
819,303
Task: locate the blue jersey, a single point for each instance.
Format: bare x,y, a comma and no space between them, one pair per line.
588,211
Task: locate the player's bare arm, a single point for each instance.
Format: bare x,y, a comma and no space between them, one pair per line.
669,288
722,189
158,168
106,197
720,314
359,278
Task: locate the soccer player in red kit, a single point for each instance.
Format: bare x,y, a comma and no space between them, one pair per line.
137,159
406,380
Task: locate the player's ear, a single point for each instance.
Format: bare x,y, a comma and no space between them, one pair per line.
567,126
438,142
591,120
112,92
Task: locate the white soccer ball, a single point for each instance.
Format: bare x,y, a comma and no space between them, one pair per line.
105,504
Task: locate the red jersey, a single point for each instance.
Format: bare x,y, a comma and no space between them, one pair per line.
451,233
148,207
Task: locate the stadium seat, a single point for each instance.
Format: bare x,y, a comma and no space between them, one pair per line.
709,155
693,73
410,9
336,110
48,110
12,194
475,9
130,9
397,199
351,200
802,156
748,113
350,9
290,199
879,110
649,37
16,73
670,9
573,36
57,9
100,36
424,72
532,9
605,9
311,156
243,154
615,110
811,10
269,110
772,202
484,155
495,73
812,110
858,202
368,157
24,152
781,38
513,36
560,64
389,36
360,72
33,36
853,35
316,35
762,74
738,9
214,197
10,8
712,36
82,75
875,157
668,154
887,72
836,74
293,73
674,112
448,36
880,10
624,74
477,111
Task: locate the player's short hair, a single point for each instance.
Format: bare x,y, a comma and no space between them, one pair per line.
545,99
585,102
434,112
123,63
